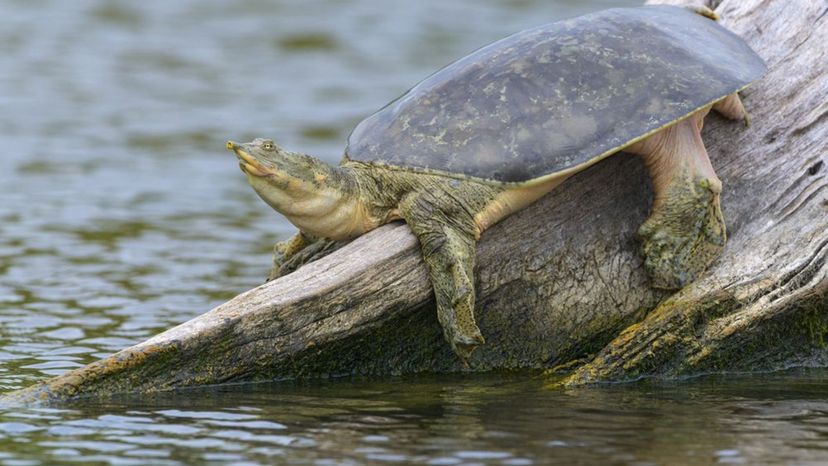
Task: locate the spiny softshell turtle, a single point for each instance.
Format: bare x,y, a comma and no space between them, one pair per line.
494,131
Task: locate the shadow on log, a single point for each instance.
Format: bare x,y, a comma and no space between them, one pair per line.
561,283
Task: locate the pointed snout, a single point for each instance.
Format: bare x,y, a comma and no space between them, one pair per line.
240,151
248,164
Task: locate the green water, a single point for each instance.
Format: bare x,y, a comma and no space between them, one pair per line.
121,215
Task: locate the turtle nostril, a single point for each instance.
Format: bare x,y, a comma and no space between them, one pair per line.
230,145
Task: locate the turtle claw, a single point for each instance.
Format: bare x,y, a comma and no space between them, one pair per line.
464,347
283,252
459,327
683,235
301,249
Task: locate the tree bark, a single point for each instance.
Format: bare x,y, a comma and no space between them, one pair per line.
560,284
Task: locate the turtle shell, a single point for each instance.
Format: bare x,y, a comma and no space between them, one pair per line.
557,96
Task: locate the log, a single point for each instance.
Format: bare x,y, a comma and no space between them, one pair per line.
561,284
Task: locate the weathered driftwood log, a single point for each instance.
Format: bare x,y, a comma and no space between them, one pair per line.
561,283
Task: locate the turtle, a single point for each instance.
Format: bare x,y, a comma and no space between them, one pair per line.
493,132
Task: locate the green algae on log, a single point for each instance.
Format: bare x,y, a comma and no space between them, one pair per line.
561,284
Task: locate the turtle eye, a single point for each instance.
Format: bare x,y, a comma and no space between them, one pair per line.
267,145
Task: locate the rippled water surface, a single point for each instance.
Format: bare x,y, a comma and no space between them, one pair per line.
495,419
121,215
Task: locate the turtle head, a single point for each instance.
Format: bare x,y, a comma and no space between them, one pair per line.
262,158
313,195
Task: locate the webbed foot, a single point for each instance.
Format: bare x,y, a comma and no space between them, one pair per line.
684,234
447,242
458,321
685,231
299,250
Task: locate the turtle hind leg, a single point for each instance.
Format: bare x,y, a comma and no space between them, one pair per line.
447,242
703,11
731,107
685,231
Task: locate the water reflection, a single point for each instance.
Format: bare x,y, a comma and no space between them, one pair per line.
492,420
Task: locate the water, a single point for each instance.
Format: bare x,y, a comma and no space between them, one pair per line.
451,420
122,215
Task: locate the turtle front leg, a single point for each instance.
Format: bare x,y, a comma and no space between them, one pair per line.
283,251
685,231
448,246
299,250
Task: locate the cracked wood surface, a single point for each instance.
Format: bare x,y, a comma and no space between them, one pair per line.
764,305
560,283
